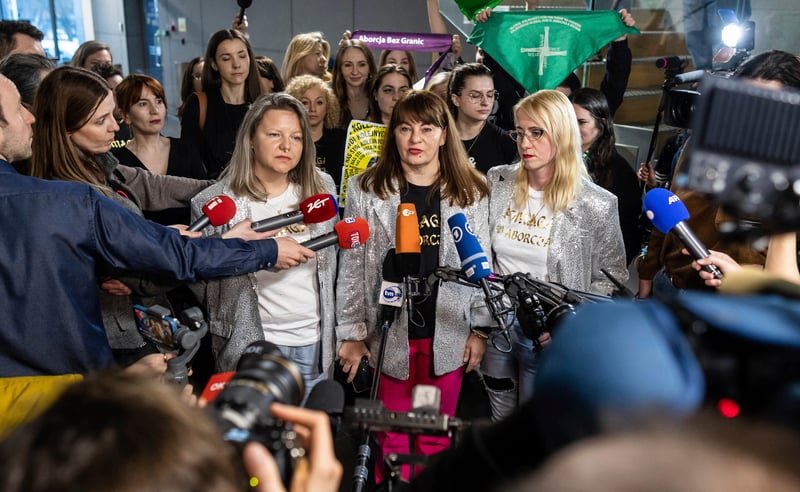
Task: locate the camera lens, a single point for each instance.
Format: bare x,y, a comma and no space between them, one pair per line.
263,376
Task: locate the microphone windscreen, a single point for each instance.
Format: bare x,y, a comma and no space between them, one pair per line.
326,396
219,210
351,232
389,269
474,262
407,238
664,209
319,208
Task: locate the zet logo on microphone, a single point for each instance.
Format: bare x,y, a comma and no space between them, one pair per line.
318,203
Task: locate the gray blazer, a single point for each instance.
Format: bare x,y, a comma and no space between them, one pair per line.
146,191
458,307
232,302
585,237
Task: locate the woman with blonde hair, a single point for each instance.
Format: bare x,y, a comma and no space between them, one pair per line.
271,171
548,220
323,115
307,54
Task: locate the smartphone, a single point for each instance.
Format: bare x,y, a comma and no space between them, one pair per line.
156,325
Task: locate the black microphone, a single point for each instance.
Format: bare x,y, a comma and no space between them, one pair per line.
244,4
312,210
670,62
328,396
391,294
693,76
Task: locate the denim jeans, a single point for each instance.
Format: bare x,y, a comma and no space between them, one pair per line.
307,360
519,366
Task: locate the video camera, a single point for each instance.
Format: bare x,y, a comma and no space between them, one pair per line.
177,335
744,155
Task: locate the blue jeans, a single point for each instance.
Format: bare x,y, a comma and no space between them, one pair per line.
307,360
517,367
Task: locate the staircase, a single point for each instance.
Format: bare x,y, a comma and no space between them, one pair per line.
658,39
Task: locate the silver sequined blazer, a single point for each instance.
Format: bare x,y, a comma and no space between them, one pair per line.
232,302
458,307
585,237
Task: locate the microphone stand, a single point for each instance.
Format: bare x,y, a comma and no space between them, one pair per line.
361,471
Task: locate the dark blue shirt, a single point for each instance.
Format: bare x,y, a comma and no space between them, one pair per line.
55,233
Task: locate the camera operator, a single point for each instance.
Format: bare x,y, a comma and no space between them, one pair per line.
125,432
664,267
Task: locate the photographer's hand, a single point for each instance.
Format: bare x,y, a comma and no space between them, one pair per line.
319,471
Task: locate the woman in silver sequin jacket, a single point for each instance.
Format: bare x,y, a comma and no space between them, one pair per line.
548,219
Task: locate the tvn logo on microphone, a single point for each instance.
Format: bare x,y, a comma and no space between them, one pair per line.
391,294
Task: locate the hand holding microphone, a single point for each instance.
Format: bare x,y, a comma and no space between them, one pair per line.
668,213
218,211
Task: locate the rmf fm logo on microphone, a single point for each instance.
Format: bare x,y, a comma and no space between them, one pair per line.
213,203
318,203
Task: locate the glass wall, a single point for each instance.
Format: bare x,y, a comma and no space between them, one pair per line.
61,21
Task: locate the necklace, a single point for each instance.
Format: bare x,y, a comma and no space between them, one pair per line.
469,149
533,218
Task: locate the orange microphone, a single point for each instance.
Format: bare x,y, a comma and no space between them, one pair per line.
407,240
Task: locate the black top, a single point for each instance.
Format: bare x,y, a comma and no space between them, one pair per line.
121,136
218,137
422,319
492,147
330,153
183,161
625,186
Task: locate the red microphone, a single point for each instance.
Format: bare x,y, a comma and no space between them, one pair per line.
349,233
313,210
217,211
216,383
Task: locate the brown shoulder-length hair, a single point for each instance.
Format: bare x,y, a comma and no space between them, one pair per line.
460,183
66,100
339,81
211,77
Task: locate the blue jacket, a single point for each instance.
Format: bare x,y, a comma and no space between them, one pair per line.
55,234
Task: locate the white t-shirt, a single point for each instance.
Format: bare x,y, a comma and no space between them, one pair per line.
288,300
522,237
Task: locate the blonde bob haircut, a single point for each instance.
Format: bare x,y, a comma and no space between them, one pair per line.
240,172
302,83
299,47
553,112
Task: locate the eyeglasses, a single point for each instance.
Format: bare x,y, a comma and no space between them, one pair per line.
197,76
475,97
533,135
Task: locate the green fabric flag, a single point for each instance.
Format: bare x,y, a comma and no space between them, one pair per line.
470,8
540,49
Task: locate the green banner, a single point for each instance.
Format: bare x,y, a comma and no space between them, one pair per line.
364,144
470,8
540,49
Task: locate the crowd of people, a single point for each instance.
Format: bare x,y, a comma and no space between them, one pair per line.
109,213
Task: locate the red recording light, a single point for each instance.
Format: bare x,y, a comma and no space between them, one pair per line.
728,408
